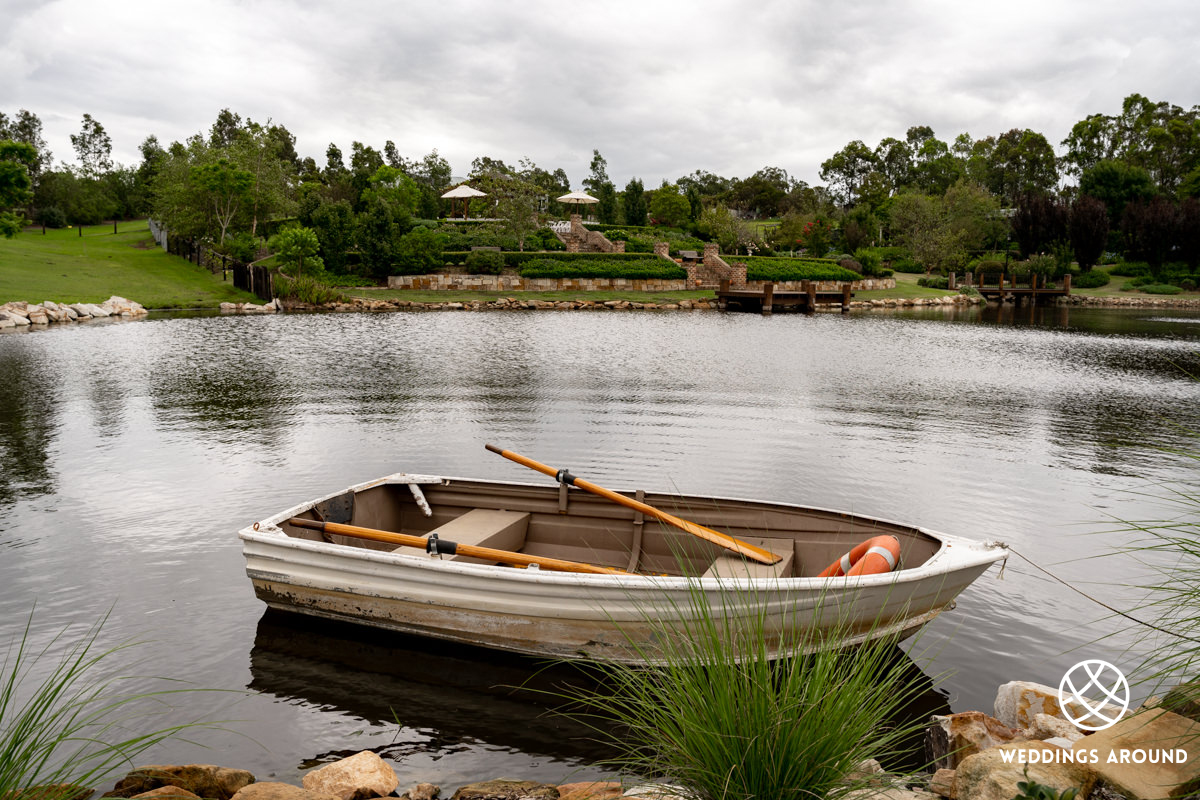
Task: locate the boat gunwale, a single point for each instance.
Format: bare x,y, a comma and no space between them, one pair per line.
970,553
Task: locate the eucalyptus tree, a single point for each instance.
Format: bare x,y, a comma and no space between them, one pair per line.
25,126
16,187
93,147
846,169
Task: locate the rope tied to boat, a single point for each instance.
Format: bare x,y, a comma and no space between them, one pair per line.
1098,601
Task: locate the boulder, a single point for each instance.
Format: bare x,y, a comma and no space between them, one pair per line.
1150,732
38,316
1046,727
656,791
166,792
891,793
591,790
17,309
951,738
82,309
1018,702
205,780
942,784
6,321
18,320
270,790
988,776
358,777
504,789
423,791
1184,700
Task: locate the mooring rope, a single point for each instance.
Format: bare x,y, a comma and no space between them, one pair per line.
1100,602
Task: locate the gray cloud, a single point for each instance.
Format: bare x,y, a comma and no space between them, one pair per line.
660,88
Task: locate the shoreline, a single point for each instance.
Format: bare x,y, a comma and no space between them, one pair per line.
21,314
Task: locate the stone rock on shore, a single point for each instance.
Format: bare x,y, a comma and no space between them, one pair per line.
270,790
988,776
954,737
423,791
591,790
206,780
1019,702
1154,730
166,793
361,776
504,789
20,313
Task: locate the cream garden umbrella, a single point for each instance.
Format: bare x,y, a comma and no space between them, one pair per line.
578,198
465,193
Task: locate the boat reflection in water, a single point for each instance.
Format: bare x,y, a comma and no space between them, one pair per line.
456,697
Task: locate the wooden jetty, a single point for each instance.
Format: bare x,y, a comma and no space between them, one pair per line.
1035,291
769,299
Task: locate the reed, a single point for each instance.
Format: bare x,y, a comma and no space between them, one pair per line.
1170,548
723,721
66,718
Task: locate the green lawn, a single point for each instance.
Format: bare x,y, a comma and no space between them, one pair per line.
64,267
906,288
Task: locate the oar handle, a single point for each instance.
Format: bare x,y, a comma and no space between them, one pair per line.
708,534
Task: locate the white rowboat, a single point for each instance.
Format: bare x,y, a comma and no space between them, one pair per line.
603,616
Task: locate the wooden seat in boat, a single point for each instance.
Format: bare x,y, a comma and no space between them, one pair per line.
485,527
732,565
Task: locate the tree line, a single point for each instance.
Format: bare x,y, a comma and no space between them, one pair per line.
1126,182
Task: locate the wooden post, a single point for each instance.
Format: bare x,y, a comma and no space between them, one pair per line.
768,297
114,226
953,284
80,231
810,289
846,297
724,285
1067,283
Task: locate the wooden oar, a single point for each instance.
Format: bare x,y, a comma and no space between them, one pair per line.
716,537
445,547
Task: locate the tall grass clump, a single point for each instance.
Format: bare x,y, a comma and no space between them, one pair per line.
77,724
1170,547
724,721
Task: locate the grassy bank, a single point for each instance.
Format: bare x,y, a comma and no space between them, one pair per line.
68,268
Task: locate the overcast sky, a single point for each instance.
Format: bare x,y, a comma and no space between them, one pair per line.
660,88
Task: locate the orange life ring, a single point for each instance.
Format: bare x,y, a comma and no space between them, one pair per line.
875,556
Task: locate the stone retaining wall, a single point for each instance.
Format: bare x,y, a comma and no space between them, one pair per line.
440,282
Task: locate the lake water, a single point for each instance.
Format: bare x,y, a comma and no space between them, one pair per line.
132,452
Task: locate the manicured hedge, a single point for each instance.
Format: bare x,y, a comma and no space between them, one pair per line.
763,268
515,260
654,268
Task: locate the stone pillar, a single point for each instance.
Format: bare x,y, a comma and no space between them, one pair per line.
739,274
692,277
618,247
710,250
663,249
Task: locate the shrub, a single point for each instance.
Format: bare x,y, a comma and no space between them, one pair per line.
243,247
869,261
934,281
485,262
1143,280
1092,279
762,268
418,252
306,289
657,268
908,266
1131,269
1188,285
850,264
1161,288
52,217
